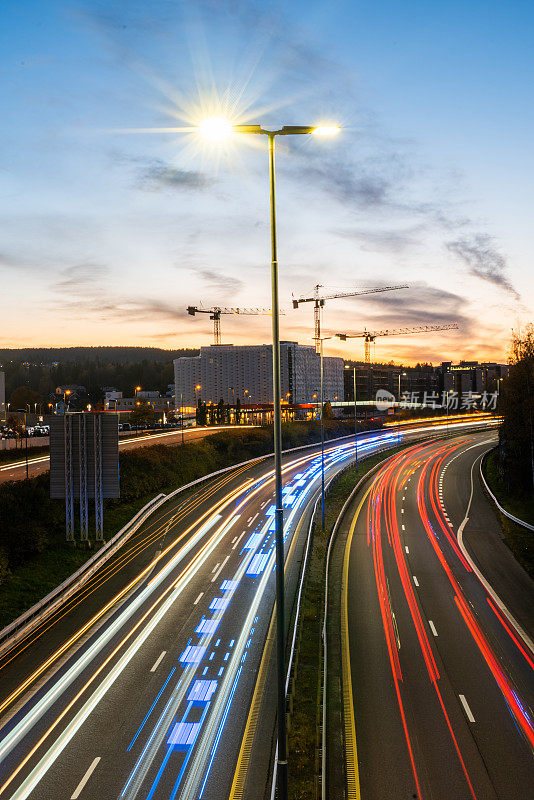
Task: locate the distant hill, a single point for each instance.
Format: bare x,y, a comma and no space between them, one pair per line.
114,355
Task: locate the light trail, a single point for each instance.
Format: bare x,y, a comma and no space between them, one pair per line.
255,563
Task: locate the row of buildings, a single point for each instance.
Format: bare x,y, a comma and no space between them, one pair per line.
231,372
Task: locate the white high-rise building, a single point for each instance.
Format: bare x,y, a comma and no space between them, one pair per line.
230,372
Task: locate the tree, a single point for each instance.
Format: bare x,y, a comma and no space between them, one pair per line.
327,410
23,396
516,404
142,414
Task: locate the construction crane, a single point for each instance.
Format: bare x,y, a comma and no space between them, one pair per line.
370,336
318,301
216,313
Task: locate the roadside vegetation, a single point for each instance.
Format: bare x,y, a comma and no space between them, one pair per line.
509,470
34,556
520,540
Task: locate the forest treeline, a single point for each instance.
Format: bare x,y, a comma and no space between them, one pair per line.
41,370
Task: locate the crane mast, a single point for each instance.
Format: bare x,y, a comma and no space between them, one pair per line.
318,301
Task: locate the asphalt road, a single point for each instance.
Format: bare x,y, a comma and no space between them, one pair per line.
141,687
437,621
37,464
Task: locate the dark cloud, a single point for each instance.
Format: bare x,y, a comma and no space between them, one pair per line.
79,277
419,305
107,308
483,260
224,284
382,240
160,175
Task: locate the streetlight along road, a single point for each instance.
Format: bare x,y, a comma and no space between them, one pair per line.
215,129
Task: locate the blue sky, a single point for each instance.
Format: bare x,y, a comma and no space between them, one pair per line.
108,234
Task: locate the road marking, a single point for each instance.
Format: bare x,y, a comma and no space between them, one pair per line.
403,528
198,598
219,570
407,550
215,567
415,580
404,497
234,540
432,627
158,662
351,752
235,545
249,520
402,511
467,710
77,792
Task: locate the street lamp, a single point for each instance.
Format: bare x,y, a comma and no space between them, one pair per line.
137,389
322,339
65,393
347,366
401,374
216,129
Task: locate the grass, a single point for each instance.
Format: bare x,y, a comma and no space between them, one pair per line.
28,583
303,736
34,557
520,540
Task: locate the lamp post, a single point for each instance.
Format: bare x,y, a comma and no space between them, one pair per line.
355,423
217,129
401,374
322,339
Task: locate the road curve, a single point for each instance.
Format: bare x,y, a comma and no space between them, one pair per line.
141,686
437,621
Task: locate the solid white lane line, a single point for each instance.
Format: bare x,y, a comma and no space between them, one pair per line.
467,710
216,567
415,580
407,550
432,627
219,570
158,662
85,778
235,545
198,598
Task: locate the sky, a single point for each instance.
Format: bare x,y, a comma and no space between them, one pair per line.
109,231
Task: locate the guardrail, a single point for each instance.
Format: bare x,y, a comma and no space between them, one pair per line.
21,626
501,509
30,618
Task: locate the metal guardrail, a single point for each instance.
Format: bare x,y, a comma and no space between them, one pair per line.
21,626
30,618
501,509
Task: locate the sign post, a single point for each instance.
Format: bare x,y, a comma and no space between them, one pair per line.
84,465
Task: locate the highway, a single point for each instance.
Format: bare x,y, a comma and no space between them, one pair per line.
37,464
437,622
142,685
